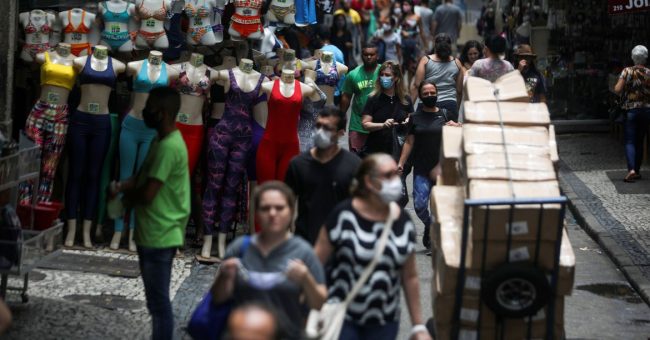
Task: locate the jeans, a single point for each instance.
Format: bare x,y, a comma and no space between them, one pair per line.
421,191
352,331
156,270
636,127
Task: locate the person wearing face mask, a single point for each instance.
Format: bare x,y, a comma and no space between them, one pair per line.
386,111
321,176
342,38
160,194
273,268
347,240
391,40
423,144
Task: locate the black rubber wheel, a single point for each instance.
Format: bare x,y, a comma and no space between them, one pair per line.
24,298
515,291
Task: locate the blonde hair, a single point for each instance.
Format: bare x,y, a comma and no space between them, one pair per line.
400,90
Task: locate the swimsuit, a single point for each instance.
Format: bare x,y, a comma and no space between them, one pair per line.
90,76
228,149
185,86
142,84
257,131
112,35
30,28
308,115
282,11
76,32
57,75
246,25
280,142
330,79
145,16
198,14
216,19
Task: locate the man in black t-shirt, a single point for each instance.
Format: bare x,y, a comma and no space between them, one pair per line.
321,177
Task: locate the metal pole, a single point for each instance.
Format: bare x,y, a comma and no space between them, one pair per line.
9,19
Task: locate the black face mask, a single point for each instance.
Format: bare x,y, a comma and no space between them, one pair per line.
151,119
429,101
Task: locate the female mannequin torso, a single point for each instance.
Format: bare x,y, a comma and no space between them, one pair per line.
246,22
328,73
77,24
200,24
117,16
193,83
217,94
152,72
282,12
309,113
95,95
37,26
152,14
55,94
217,14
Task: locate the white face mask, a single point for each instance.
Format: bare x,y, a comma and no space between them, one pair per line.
386,27
397,11
391,189
322,139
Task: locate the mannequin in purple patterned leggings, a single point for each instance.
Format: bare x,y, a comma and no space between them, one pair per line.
228,149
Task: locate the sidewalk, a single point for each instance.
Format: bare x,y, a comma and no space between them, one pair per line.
613,212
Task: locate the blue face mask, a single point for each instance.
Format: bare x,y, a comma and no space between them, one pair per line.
386,82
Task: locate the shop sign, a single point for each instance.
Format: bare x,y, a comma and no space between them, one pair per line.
627,6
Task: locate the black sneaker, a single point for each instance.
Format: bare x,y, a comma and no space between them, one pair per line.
426,238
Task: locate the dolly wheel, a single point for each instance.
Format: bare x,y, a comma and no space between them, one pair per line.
515,291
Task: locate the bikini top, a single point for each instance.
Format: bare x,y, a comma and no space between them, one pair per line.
331,78
31,28
197,11
90,76
142,84
159,14
79,29
252,4
110,16
185,85
56,74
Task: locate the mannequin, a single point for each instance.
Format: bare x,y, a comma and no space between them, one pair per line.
193,84
280,141
308,114
217,95
173,27
47,123
77,23
37,25
136,137
270,42
228,148
152,15
328,73
89,133
246,22
288,61
281,13
217,14
118,21
200,27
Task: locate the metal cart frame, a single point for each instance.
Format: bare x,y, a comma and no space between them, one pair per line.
512,203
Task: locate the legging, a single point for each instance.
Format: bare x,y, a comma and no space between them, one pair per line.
273,158
89,137
258,133
47,126
227,155
109,161
135,140
193,137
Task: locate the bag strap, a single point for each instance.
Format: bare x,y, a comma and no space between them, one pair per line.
379,251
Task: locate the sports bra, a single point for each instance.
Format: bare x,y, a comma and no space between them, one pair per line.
330,79
142,84
110,16
79,29
198,11
31,28
57,75
184,85
89,76
159,14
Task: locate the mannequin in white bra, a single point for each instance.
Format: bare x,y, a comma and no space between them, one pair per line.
90,134
326,77
77,25
200,29
118,17
38,27
152,15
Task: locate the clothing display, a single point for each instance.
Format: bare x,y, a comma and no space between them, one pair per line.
246,25
47,126
280,141
89,76
107,169
146,15
198,14
256,137
76,49
56,74
112,34
217,14
280,12
193,137
308,115
143,84
329,79
185,86
228,148
305,12
44,29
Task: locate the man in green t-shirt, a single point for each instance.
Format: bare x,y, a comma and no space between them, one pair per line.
359,82
160,195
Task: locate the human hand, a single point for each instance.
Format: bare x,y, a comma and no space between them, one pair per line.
389,123
452,123
229,267
522,65
422,335
113,189
297,271
400,168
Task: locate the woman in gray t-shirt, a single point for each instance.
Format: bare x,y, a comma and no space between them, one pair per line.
277,268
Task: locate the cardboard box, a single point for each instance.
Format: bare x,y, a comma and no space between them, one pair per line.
478,139
509,87
555,156
451,155
526,218
519,167
526,114
511,332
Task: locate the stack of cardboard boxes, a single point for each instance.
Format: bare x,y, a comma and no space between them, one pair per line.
474,165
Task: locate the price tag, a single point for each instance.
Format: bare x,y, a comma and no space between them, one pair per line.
150,23
115,28
76,36
198,21
183,118
52,98
93,107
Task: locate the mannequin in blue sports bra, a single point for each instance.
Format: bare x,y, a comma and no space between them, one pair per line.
328,72
89,137
136,137
117,16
